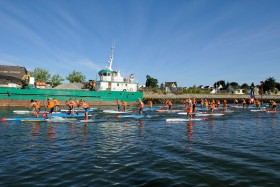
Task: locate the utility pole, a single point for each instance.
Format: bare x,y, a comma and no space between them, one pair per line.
261,91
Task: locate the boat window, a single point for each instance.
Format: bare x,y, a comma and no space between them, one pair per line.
118,84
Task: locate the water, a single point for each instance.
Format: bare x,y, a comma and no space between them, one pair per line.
239,149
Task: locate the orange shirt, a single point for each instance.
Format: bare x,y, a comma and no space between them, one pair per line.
50,104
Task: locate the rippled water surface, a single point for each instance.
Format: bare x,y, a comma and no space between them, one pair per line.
238,149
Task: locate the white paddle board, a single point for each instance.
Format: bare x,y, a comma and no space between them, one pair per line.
184,119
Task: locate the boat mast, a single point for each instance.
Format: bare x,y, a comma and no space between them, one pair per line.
110,61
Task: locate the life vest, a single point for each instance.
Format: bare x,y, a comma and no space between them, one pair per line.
85,105
189,110
50,104
141,104
56,102
71,103
37,105
124,103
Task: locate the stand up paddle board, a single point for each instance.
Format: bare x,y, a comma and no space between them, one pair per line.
23,119
114,112
257,110
272,111
184,119
168,111
209,114
134,116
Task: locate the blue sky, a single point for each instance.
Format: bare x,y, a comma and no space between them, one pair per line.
192,42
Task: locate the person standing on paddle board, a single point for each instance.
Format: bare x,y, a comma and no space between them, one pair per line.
189,109
169,104
218,103
56,104
140,106
86,108
150,103
50,106
77,104
258,104
118,104
212,107
225,104
71,105
236,102
274,105
243,103
34,106
124,104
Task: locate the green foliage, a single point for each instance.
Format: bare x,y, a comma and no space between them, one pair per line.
195,90
76,77
245,86
157,90
235,85
40,75
221,82
269,84
151,82
56,80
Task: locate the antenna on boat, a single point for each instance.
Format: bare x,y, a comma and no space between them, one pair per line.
110,61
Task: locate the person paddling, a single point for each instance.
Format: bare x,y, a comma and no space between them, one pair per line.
118,102
34,106
56,104
274,105
86,108
50,104
140,106
124,104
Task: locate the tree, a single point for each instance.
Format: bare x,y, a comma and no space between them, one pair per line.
278,86
151,82
218,83
245,86
56,80
235,85
40,75
269,84
76,77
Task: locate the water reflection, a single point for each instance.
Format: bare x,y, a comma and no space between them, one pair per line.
190,131
35,130
85,129
141,126
51,134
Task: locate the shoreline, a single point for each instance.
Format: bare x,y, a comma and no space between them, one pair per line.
179,99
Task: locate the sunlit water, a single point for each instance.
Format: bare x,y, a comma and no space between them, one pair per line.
238,149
